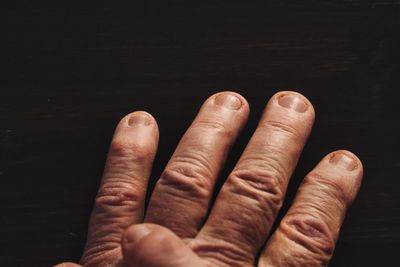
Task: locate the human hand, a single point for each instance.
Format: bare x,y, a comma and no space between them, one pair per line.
175,230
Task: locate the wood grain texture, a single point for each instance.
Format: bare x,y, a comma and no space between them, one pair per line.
70,72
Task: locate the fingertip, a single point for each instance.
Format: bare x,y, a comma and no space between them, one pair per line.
139,118
291,110
354,167
295,101
345,169
346,159
231,100
136,131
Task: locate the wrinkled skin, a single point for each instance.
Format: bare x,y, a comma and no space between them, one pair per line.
176,229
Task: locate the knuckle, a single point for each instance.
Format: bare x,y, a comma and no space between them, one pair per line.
260,185
114,207
216,251
328,189
186,178
310,233
260,188
116,204
96,253
281,127
128,149
114,194
214,125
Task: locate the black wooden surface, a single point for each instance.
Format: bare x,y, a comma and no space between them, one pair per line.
70,72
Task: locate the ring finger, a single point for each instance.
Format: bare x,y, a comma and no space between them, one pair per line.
249,200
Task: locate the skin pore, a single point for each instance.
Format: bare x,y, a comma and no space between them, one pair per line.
180,227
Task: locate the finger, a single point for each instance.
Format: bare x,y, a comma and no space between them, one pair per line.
249,200
151,245
120,200
67,264
307,234
181,196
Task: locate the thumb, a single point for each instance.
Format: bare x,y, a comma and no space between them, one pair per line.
68,264
151,245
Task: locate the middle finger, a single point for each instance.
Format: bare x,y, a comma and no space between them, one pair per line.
181,197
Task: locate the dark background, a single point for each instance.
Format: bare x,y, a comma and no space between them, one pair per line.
70,72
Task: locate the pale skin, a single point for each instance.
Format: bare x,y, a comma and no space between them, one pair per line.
181,228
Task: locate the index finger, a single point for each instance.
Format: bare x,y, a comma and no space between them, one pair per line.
120,199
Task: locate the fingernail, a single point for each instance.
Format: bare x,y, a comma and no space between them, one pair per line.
343,161
136,233
139,119
294,102
229,101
